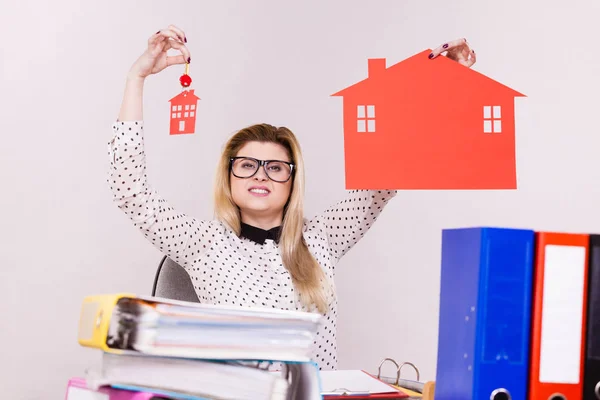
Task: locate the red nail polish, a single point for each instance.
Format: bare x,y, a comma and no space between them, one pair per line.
185,39
189,59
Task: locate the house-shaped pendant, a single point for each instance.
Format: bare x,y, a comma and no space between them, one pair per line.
183,113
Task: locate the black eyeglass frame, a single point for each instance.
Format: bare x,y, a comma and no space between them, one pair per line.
262,163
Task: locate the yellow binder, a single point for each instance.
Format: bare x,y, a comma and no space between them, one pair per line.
94,320
125,323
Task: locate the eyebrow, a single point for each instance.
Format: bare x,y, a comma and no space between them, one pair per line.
269,159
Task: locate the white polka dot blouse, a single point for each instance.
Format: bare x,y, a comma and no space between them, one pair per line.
230,269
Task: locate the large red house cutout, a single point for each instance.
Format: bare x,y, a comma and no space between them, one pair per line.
183,112
428,124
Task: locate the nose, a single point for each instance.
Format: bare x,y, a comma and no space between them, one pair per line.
261,175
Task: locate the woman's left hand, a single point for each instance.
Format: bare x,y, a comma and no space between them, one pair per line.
457,50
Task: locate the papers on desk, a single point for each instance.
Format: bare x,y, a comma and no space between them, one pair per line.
356,384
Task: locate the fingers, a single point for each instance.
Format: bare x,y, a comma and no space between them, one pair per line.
171,32
447,47
180,33
465,50
170,38
185,56
471,60
154,39
173,60
457,50
467,55
157,44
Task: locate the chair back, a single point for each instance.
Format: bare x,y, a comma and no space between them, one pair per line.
173,282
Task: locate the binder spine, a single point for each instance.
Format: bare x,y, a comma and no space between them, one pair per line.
461,249
484,322
504,314
559,316
95,320
591,380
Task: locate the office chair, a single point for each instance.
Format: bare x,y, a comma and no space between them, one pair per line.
173,282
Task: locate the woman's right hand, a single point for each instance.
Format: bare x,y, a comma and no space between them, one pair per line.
155,58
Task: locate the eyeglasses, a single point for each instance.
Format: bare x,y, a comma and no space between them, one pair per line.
247,167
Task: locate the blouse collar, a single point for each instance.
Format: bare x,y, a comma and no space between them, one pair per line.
259,235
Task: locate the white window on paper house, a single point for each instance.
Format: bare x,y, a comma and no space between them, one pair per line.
492,122
366,118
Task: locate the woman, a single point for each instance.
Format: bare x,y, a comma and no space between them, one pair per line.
259,251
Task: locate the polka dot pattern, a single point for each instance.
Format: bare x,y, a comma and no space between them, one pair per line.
224,268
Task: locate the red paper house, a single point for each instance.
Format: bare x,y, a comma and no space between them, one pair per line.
428,124
183,112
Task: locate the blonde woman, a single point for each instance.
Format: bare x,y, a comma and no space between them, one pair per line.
260,250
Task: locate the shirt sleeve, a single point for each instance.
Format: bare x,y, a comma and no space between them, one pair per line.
346,222
180,237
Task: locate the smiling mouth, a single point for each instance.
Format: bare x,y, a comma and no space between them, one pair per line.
258,191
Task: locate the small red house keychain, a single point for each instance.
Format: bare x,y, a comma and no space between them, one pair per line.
183,108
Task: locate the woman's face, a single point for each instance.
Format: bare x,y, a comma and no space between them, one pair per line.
261,199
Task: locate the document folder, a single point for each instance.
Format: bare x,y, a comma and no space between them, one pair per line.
77,389
124,323
559,316
484,319
591,378
357,385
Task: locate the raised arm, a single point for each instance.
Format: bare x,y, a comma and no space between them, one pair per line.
180,237
346,222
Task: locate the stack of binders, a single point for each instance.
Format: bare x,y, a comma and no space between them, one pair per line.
519,315
154,348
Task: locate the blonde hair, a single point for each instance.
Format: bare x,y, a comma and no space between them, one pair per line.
307,275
